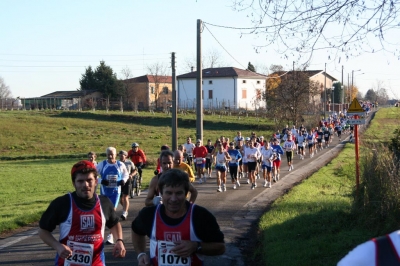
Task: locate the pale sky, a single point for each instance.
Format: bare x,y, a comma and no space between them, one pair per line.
46,45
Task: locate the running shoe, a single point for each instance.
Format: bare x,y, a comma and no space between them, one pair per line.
238,183
219,189
248,181
265,183
255,184
124,215
110,239
200,181
223,187
234,186
252,186
269,185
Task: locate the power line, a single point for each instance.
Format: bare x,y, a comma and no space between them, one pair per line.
223,47
82,55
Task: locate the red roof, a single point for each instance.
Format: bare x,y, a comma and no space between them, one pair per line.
150,79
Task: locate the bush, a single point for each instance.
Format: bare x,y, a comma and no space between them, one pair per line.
378,202
394,145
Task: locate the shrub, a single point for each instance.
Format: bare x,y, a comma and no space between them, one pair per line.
378,202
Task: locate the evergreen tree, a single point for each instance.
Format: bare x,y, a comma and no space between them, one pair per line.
251,68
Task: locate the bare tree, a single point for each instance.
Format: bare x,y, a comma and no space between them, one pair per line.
302,27
5,91
210,59
158,72
128,87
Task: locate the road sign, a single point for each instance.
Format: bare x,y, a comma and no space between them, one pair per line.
355,107
361,115
356,121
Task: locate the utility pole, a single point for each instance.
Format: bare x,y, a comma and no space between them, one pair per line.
199,109
352,79
174,106
325,94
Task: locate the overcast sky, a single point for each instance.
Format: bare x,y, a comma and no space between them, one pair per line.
46,45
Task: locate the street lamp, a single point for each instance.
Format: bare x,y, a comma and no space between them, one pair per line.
352,80
333,99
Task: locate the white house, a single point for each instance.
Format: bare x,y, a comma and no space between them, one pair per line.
223,87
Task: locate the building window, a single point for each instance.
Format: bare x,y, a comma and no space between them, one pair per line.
152,90
210,82
165,90
258,82
244,81
244,94
210,94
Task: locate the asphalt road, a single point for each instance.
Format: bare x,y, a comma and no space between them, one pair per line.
236,211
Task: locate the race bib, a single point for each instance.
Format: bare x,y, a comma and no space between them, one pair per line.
82,254
221,163
199,161
112,180
167,258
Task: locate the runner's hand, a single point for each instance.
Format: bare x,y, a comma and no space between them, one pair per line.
64,251
184,248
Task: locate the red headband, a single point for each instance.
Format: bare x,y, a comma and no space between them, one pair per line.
79,166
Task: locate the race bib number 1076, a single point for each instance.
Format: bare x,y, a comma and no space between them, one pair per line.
167,258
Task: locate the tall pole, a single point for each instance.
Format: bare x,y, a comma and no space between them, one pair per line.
325,94
174,106
342,87
348,87
351,88
199,109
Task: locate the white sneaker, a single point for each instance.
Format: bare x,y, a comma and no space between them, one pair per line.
277,177
219,189
290,169
269,185
110,239
291,166
252,186
223,187
238,183
123,216
234,186
248,181
265,183
255,184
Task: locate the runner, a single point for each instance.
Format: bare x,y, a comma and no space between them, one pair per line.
179,232
267,157
126,188
301,139
252,154
289,147
339,132
234,164
189,146
220,159
209,159
277,162
320,135
199,154
167,162
327,136
244,159
138,157
311,143
82,217
238,138
113,175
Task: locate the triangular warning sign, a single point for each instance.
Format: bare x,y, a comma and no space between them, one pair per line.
355,107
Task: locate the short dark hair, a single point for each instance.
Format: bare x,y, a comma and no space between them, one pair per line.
174,178
166,153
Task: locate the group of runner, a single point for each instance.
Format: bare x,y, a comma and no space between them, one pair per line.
254,157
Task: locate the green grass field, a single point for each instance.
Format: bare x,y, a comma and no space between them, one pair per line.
313,223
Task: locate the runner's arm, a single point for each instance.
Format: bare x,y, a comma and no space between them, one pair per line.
62,250
119,250
193,193
152,191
